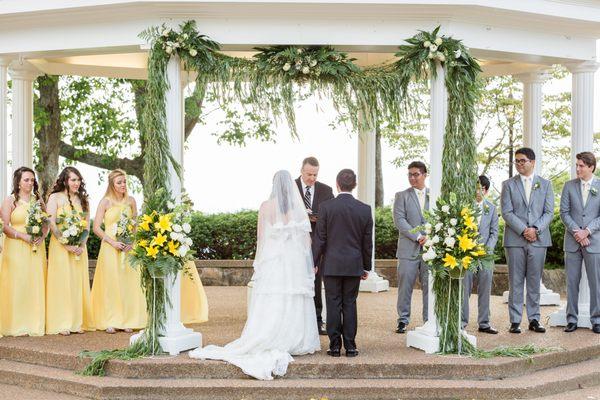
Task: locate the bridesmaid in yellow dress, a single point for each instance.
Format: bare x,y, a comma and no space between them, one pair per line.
23,272
194,304
118,301
68,308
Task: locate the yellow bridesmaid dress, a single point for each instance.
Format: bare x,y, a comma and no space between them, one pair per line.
117,297
194,304
68,306
22,282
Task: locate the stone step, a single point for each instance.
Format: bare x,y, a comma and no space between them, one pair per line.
541,383
438,367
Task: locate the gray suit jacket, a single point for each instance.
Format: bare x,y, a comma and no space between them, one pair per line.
575,216
518,215
407,215
488,225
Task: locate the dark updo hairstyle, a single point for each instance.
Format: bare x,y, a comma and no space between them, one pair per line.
61,185
17,175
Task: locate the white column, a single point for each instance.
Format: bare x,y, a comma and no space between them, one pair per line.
582,139
176,337
366,193
22,74
532,138
3,128
426,337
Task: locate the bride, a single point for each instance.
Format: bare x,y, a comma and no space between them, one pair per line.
281,321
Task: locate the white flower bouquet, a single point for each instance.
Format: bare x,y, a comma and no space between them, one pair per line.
36,219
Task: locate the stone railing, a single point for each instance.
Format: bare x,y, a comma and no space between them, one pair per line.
239,273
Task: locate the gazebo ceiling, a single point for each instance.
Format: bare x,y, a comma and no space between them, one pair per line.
100,37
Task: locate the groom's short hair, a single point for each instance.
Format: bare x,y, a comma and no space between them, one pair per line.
419,165
346,180
310,161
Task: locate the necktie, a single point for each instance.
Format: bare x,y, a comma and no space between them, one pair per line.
307,197
421,196
527,189
586,192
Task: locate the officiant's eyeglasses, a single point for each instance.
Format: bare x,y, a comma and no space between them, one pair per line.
522,161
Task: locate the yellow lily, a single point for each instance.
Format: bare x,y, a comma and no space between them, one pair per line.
173,247
449,261
465,242
151,251
146,221
160,239
470,223
466,261
164,223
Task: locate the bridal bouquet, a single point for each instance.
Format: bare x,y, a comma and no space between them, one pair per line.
36,219
73,228
452,244
124,231
162,242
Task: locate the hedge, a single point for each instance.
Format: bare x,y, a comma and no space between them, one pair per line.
232,236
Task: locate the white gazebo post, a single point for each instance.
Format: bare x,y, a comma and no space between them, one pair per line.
366,193
426,337
176,337
3,127
582,139
22,74
532,138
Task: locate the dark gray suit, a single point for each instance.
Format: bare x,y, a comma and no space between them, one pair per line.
407,215
577,216
525,259
488,235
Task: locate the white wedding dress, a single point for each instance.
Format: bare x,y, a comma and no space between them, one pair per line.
282,320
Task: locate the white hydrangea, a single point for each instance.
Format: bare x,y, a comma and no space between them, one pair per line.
426,43
166,32
438,41
429,255
446,208
193,52
305,70
177,227
169,49
433,48
186,227
428,227
175,236
449,241
183,250
453,221
286,67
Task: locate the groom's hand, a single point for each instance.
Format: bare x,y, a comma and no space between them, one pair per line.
365,275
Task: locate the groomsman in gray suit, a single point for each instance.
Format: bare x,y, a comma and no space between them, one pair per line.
408,214
527,205
488,235
580,212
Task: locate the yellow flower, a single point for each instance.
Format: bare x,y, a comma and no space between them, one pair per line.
470,222
146,221
465,242
143,243
478,252
466,261
449,261
160,239
173,248
164,223
83,223
151,251
465,211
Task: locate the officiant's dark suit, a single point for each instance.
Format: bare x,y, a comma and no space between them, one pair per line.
318,193
344,239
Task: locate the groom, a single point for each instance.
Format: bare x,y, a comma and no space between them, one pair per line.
344,239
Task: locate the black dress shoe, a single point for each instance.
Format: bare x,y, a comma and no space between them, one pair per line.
535,326
571,327
489,330
351,353
515,328
596,328
334,352
322,331
401,327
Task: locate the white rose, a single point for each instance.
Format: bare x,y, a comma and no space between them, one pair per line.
446,208
428,243
305,70
184,36
433,48
449,241
35,229
428,227
183,250
429,255
175,235
431,55
286,66
435,239
189,241
170,205
457,53
177,228
438,226
438,41
166,32
186,227
65,234
441,57
193,52
313,63
453,222
169,49
426,43
451,232
299,51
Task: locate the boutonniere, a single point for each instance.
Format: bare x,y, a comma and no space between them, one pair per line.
486,208
593,191
536,186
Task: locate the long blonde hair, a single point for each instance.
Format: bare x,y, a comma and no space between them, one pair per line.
110,190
